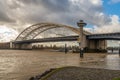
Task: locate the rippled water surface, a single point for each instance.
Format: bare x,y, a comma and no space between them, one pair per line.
21,64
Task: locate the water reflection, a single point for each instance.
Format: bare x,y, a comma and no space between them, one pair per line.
114,51
113,61
21,65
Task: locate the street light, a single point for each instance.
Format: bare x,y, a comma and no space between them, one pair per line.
81,24
119,47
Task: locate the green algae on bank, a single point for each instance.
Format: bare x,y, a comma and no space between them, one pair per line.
79,73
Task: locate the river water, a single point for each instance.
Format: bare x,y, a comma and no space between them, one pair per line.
22,64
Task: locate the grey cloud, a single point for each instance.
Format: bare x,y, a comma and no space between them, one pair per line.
4,17
57,5
13,4
57,11
63,9
53,5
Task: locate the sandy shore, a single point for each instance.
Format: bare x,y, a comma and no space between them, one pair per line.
78,73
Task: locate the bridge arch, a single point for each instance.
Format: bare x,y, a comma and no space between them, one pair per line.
32,31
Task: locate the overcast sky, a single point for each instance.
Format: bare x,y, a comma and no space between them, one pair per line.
16,15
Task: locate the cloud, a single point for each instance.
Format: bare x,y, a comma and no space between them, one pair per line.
113,26
9,32
59,11
4,17
114,1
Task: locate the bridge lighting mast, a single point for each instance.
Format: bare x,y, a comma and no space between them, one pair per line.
81,24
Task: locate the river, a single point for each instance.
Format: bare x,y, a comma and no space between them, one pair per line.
22,64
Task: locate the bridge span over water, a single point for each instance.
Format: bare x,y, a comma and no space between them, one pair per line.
107,36
50,32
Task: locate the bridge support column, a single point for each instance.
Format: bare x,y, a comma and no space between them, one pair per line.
97,45
11,45
24,46
102,44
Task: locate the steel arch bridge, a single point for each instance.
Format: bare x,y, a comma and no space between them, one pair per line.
92,41
32,31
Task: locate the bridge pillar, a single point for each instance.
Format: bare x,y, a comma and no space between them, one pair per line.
102,44
11,45
23,46
97,45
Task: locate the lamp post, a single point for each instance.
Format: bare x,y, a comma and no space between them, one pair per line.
119,48
65,48
81,24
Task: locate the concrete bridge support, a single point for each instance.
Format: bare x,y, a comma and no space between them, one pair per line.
97,45
25,46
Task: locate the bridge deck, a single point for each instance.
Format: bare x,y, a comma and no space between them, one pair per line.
107,36
53,39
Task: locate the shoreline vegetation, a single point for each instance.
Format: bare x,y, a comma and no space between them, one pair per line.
78,73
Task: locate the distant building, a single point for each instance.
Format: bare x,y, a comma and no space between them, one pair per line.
5,45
